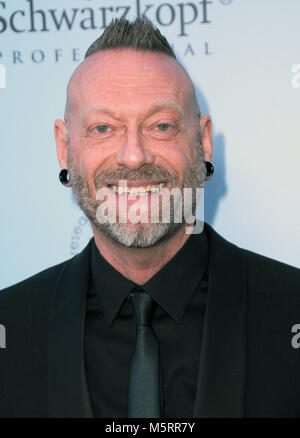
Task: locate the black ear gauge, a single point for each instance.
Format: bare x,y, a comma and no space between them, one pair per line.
64,177
209,170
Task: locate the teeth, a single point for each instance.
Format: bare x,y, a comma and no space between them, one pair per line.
142,190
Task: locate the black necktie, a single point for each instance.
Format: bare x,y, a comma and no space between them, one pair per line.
144,378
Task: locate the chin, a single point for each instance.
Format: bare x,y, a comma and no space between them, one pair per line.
139,235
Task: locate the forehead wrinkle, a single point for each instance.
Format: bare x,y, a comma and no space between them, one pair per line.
88,72
157,107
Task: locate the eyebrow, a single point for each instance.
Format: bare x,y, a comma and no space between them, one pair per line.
152,110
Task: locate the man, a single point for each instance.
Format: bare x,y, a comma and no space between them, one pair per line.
149,320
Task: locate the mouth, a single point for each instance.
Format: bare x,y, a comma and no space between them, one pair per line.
137,188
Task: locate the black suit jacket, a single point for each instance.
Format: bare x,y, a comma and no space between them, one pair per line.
248,366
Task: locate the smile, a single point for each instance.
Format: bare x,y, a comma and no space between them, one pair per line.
137,190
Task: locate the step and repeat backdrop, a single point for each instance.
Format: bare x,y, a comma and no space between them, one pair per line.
244,59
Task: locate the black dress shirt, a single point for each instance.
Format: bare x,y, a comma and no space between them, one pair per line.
180,290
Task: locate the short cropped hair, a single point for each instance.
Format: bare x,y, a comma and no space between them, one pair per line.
140,34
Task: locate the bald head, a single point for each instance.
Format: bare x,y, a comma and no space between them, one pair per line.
133,69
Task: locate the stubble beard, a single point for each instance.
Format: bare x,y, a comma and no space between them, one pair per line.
138,235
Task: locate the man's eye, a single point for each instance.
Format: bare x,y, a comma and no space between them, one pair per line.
163,126
102,128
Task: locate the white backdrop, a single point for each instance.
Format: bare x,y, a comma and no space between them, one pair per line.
243,56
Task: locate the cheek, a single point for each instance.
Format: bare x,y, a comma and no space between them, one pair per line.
93,153
87,166
91,162
179,157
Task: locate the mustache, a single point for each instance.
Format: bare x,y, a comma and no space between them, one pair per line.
145,172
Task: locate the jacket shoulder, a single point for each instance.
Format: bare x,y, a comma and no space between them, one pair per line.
42,281
267,266
271,281
258,266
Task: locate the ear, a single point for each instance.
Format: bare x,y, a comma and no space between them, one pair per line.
206,135
60,134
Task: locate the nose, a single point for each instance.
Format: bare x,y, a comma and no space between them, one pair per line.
133,153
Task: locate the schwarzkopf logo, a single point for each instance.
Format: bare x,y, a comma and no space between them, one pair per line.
32,18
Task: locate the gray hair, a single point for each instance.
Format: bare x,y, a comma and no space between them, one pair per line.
141,34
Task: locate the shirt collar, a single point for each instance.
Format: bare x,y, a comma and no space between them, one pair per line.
109,286
172,287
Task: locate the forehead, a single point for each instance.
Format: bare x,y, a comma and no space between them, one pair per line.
128,78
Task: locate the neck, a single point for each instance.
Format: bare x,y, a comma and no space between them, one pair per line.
138,264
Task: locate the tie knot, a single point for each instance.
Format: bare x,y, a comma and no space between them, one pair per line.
143,306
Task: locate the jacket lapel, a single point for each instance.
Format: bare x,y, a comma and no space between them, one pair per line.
222,370
67,387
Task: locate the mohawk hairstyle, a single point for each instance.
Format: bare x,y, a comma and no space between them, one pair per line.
139,35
